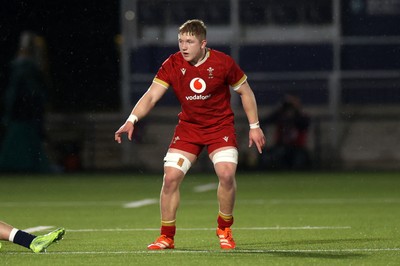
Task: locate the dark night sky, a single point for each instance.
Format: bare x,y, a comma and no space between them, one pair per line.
82,51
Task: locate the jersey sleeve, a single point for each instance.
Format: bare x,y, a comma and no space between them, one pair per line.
236,76
162,77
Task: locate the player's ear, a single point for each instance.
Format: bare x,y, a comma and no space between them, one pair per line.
203,44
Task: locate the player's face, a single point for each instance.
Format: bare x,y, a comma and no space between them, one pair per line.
191,47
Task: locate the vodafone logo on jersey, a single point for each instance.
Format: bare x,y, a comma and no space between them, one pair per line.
198,85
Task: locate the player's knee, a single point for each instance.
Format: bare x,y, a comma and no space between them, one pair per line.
171,182
226,178
228,155
225,162
178,161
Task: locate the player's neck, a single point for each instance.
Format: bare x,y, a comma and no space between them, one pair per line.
202,57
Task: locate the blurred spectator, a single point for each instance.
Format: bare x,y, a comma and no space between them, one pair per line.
288,149
24,106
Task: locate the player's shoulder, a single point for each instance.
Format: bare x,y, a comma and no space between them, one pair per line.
174,59
220,56
217,52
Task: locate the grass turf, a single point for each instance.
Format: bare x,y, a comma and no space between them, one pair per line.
280,219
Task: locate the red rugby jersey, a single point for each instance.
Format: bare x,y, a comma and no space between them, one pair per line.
202,90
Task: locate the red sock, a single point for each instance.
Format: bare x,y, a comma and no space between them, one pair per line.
168,230
223,223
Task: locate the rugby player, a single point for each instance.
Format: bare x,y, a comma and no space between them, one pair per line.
201,79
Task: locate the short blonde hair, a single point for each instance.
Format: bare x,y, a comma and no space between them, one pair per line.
194,27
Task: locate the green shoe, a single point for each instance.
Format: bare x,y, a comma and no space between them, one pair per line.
40,243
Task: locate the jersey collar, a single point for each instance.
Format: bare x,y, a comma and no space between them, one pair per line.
204,59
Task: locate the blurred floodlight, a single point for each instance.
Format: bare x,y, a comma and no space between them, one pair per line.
129,15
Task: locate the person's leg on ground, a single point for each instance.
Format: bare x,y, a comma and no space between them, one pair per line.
176,165
36,243
225,165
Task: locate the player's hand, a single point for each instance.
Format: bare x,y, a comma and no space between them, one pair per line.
128,128
256,136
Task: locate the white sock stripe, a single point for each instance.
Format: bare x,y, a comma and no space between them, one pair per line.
224,214
168,222
12,234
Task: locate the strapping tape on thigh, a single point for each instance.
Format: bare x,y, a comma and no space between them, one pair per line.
178,161
228,155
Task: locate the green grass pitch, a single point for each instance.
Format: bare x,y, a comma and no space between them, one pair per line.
311,218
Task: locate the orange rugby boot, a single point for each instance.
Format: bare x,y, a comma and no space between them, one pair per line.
225,238
163,242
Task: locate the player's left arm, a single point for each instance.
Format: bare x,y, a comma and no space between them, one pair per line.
249,103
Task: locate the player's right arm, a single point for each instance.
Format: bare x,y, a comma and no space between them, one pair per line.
141,109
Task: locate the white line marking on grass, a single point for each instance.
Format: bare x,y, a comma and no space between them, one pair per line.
60,203
331,201
37,229
206,187
296,228
266,251
212,229
319,201
112,230
140,203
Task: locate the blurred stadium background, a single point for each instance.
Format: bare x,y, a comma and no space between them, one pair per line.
341,57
